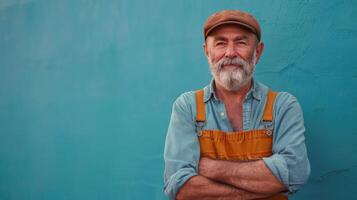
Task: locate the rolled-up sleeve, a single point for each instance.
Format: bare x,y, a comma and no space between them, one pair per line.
181,152
289,162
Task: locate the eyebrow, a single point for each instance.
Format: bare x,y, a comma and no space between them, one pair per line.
244,37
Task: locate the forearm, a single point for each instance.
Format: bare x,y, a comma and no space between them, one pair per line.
199,187
253,176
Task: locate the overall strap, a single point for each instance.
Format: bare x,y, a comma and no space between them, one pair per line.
269,106
200,107
200,112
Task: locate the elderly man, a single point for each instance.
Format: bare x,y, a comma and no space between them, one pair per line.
236,138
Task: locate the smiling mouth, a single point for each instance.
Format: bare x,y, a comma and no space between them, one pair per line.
230,66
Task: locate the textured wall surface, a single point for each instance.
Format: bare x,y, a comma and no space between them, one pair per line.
86,89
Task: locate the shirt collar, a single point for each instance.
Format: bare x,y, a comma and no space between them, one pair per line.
254,91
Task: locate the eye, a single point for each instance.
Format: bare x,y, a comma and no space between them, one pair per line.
241,42
219,43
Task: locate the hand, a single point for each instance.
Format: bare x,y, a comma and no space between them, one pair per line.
207,167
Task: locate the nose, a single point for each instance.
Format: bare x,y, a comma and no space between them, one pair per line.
230,51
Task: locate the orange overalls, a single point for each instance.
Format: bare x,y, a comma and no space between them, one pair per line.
238,145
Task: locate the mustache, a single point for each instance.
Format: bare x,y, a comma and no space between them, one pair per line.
239,62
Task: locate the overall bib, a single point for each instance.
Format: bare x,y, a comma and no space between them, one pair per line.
247,145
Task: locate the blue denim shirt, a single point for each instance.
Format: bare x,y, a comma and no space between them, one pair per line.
289,162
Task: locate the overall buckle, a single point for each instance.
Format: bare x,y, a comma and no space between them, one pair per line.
199,127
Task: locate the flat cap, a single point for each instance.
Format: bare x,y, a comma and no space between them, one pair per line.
232,17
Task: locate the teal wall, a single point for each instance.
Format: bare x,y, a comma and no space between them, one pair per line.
86,89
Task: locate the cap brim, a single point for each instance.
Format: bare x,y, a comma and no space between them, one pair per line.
231,22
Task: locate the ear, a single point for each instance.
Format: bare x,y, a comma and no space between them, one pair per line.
205,49
259,51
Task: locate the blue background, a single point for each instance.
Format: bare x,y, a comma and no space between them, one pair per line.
86,89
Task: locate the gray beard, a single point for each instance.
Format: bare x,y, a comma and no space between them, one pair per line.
232,78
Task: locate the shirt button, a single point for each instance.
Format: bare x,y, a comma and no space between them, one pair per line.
222,114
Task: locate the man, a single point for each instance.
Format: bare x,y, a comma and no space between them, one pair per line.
236,138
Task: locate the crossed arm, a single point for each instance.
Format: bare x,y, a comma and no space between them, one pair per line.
225,180
216,179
